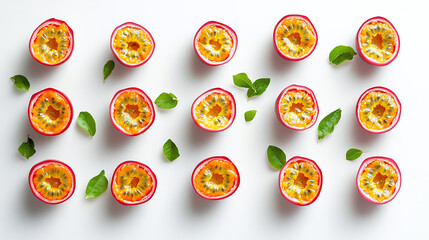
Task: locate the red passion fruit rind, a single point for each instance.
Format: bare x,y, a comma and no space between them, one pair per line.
215,178
378,110
295,37
300,181
52,42
131,111
132,44
378,179
50,112
214,110
215,43
377,41
133,183
52,181
297,107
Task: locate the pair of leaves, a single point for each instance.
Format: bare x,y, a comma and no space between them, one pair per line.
249,115
26,149
170,150
87,122
353,153
166,100
276,157
340,54
96,186
326,126
21,82
253,89
108,69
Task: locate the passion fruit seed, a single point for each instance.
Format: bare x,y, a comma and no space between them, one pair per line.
297,108
378,41
295,37
132,183
214,111
53,181
216,178
214,43
379,180
377,110
133,45
300,181
52,43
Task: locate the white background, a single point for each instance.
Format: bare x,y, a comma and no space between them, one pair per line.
257,210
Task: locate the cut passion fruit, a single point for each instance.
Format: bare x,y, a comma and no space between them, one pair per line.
132,44
378,179
378,41
133,183
131,111
378,110
297,107
52,181
50,112
214,110
300,181
52,42
215,43
295,37
215,178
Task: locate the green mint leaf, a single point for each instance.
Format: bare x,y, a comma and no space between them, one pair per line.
108,68
326,126
96,186
249,115
242,80
340,54
171,152
353,153
27,148
21,82
276,157
260,87
87,123
166,100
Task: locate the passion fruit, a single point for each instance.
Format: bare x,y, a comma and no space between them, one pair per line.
52,42
378,110
214,110
50,112
215,178
133,183
295,37
297,107
378,179
215,43
52,181
300,181
132,44
132,111
377,41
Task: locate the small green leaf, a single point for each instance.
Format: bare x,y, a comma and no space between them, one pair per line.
249,115
260,87
326,126
166,100
242,80
21,82
171,152
27,148
96,186
87,123
108,68
276,157
353,153
340,54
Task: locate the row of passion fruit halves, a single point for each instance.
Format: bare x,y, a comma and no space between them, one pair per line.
295,38
300,181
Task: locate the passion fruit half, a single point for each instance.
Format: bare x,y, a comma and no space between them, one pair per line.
378,179
297,107
133,183
50,112
215,43
214,110
300,181
132,44
295,37
215,178
52,42
52,181
378,110
377,41
131,111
